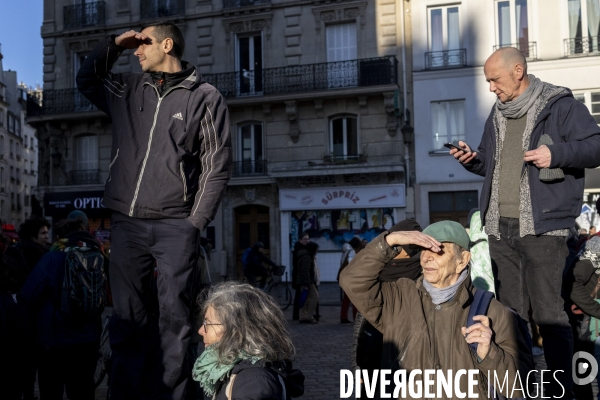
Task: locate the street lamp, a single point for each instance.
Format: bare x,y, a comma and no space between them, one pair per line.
408,133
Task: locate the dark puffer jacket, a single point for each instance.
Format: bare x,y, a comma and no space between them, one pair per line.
171,151
263,381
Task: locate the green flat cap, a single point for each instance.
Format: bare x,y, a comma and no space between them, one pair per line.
449,231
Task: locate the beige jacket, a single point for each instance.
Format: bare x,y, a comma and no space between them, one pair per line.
417,334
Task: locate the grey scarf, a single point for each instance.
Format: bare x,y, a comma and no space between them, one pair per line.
439,296
519,107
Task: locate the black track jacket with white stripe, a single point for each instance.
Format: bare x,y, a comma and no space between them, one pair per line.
171,154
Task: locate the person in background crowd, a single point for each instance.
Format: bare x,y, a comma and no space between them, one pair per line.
248,347
67,348
537,142
25,254
426,320
307,282
355,246
364,242
170,165
303,240
582,287
255,268
16,334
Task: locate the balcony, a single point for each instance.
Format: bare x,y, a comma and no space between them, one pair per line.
83,15
587,45
59,102
446,59
243,3
249,168
161,8
84,177
305,78
529,49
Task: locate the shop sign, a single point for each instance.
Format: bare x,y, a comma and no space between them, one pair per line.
69,201
343,197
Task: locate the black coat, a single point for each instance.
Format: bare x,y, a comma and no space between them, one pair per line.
576,137
261,382
171,152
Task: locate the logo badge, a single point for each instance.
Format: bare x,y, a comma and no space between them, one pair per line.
585,368
178,116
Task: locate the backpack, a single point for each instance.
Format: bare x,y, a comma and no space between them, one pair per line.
480,305
246,257
83,292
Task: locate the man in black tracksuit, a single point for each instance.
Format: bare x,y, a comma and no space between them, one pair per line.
170,164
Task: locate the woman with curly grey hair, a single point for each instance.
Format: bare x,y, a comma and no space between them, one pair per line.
248,347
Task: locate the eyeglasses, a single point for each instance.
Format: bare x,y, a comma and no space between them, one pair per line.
205,324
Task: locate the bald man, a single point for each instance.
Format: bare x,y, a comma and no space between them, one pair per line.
536,144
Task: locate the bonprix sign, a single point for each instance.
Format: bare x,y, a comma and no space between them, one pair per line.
342,197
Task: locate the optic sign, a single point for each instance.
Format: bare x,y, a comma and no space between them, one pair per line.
342,197
78,201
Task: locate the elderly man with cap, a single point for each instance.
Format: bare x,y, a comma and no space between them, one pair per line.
426,321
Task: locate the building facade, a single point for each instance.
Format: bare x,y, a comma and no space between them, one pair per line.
316,97
451,42
18,153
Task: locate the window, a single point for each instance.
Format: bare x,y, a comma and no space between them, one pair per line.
31,143
447,122
249,64
444,38
584,21
25,142
1,179
1,117
10,122
32,170
18,127
12,173
513,25
592,101
251,149
86,153
1,147
341,46
343,137
12,148
454,206
18,149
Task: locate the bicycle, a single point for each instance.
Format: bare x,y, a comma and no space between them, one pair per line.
104,355
277,289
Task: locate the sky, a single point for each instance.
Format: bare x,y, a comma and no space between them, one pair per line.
22,48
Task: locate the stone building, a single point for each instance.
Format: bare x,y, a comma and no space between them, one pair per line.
316,101
18,153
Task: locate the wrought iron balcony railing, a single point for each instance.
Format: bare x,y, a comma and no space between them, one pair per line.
243,3
446,59
161,8
304,78
529,49
582,45
84,15
84,177
249,168
59,102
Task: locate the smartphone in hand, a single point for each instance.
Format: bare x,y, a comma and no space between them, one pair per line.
453,146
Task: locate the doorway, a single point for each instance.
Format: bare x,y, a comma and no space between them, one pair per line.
252,225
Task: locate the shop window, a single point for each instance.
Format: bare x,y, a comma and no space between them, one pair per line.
343,137
447,122
453,206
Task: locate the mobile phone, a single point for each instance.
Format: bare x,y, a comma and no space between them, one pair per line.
453,146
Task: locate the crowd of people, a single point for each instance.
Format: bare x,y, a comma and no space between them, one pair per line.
421,298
